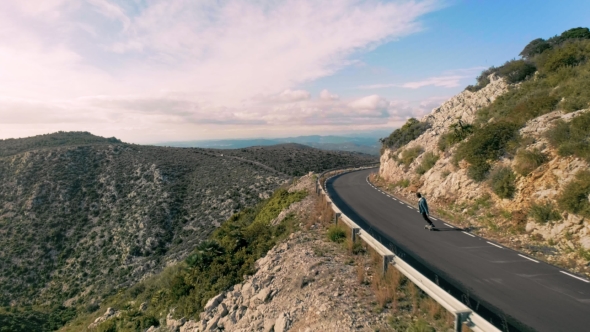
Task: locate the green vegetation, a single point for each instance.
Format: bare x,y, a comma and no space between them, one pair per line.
572,138
526,161
410,154
12,146
544,212
336,233
428,161
411,130
28,319
575,195
297,160
105,214
214,266
484,146
458,131
512,71
502,182
404,183
563,82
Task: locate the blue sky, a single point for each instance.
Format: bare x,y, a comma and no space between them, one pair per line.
167,70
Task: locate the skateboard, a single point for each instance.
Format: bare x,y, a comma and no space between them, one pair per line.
428,227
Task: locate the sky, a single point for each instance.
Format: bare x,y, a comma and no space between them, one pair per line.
148,71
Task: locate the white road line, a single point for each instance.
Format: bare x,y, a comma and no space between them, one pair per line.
447,224
409,206
469,234
495,245
434,218
530,259
573,276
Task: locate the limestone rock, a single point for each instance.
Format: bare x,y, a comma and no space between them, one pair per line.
109,313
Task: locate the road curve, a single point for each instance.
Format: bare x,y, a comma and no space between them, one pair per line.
515,292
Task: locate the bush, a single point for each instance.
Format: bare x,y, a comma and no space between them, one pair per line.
336,234
526,161
574,197
404,183
409,155
428,161
512,71
544,212
535,47
567,55
515,71
502,182
411,130
572,138
485,145
457,132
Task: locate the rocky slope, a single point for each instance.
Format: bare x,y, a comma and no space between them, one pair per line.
306,283
457,196
83,216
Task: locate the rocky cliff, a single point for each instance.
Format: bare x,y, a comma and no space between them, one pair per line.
460,198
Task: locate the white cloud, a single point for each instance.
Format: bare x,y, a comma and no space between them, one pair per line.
326,95
294,95
442,81
177,67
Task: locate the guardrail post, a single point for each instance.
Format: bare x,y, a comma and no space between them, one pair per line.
460,317
355,233
336,216
386,260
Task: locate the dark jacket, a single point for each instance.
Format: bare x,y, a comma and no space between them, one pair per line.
423,206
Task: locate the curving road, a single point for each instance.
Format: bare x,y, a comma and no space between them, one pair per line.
515,292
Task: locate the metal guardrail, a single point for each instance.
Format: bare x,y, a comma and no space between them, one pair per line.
463,314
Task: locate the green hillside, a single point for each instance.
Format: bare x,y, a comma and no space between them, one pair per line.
82,217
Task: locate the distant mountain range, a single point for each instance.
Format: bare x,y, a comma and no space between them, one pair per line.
368,143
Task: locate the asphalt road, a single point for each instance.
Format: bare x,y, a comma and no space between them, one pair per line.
515,292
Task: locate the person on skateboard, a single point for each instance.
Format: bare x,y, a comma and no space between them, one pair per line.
423,209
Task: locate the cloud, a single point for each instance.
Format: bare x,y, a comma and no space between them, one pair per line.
294,95
136,67
450,79
326,95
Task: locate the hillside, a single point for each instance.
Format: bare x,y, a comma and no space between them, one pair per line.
296,159
82,216
509,156
279,266
368,143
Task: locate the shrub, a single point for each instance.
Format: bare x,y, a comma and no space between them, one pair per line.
515,71
567,55
407,133
457,132
572,138
485,145
404,183
420,326
428,161
512,71
502,182
574,197
544,212
336,234
535,47
527,161
409,155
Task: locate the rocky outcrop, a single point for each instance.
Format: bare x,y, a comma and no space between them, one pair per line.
110,313
446,183
296,288
460,107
